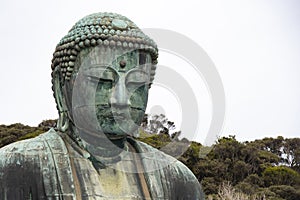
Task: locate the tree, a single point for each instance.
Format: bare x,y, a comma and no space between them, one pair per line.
228,147
47,124
240,171
291,150
254,180
246,188
155,124
280,175
273,145
210,185
285,192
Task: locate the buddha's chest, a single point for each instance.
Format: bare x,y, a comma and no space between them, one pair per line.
108,183
70,175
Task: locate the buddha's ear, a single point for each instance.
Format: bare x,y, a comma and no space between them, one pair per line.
57,81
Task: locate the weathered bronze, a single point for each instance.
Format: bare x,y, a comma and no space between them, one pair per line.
102,71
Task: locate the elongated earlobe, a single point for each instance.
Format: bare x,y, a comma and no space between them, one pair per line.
63,121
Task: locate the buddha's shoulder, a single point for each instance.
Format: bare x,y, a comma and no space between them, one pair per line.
165,169
165,161
44,144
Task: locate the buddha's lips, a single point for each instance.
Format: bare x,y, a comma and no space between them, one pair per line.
108,114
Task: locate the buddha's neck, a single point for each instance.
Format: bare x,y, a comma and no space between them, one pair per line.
98,145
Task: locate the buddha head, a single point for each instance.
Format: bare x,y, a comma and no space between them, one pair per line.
101,73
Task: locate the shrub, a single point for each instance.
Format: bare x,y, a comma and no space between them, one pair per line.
280,175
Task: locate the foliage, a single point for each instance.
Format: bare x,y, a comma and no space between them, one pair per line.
47,124
256,170
15,132
155,124
285,192
156,141
280,175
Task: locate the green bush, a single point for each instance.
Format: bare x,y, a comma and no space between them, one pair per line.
285,192
280,175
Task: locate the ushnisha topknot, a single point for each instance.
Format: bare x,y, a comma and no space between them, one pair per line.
107,29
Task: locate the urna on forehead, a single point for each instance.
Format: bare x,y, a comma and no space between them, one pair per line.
107,30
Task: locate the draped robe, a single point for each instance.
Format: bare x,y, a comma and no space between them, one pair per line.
51,166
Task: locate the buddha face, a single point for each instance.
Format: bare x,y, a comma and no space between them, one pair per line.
108,90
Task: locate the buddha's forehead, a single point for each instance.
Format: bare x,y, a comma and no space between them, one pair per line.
103,57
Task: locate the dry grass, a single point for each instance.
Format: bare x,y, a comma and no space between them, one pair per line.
227,192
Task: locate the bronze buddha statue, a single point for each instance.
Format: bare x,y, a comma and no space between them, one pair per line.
101,73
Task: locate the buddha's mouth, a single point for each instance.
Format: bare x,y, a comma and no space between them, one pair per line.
106,115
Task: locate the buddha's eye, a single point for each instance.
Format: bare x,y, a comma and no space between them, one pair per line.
108,76
135,84
92,79
104,77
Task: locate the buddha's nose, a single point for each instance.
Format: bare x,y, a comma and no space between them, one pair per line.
119,97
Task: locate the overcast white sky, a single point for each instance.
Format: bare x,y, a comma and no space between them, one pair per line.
254,44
